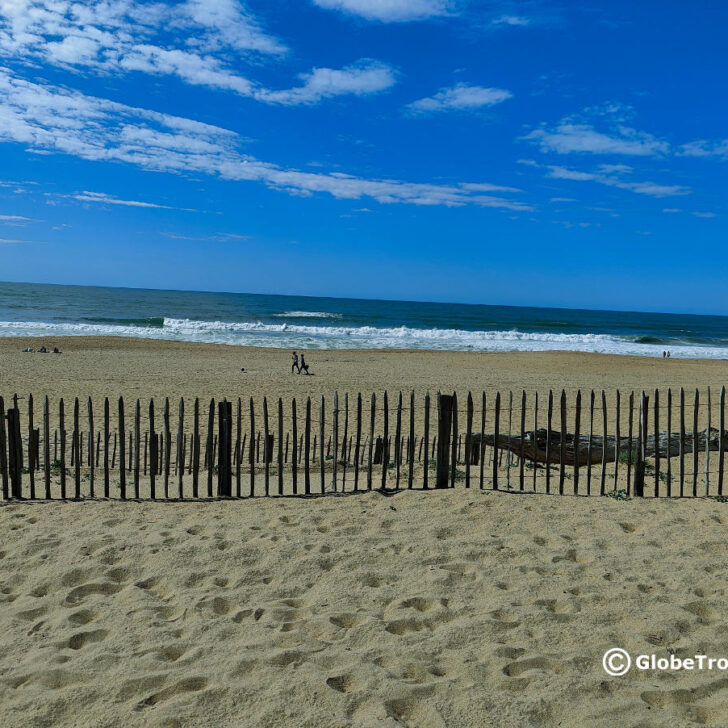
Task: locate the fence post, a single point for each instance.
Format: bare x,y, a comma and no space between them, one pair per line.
294,446
385,441
639,465
92,490
444,432
577,428
280,446
656,426
454,452
251,458
46,446
371,440
562,444
122,452
31,463
696,407
549,420
426,468
307,450
468,438
496,435
15,453
357,448
721,443
3,452
521,458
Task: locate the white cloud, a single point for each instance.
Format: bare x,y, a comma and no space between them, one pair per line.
704,148
567,138
460,97
55,119
705,214
514,20
652,189
121,36
13,220
6,240
363,78
103,198
388,11
671,209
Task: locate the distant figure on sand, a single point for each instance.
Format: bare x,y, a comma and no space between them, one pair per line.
295,366
303,366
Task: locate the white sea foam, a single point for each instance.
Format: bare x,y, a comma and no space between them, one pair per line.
287,335
309,314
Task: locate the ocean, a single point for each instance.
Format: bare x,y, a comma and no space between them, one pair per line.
299,322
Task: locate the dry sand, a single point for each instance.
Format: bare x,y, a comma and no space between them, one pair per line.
456,608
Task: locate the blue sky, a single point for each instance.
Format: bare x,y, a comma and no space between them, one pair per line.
534,153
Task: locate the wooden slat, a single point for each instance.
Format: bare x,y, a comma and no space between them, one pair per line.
77,448
721,442
280,446
307,450
62,436
411,443
46,446
167,448
357,449
251,458
696,406
31,453
562,448
3,452
656,426
535,429
577,430
371,440
603,483
510,434
522,462
294,452
344,441
444,430
122,444
153,452
707,446
321,445
549,421
617,441
496,432
196,449
682,442
385,452
398,440
180,448
455,439
266,447
335,434
137,443
468,438
481,444
669,443
426,467
630,454
239,450
92,491
210,445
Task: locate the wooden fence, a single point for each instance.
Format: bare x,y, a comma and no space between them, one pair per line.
665,444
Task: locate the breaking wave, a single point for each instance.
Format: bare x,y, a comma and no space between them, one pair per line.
287,335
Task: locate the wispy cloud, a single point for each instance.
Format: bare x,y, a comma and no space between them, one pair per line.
606,175
390,11
55,119
513,20
6,240
704,148
14,220
361,79
567,138
219,238
105,199
461,97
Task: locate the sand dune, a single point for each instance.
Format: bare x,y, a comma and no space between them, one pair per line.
459,608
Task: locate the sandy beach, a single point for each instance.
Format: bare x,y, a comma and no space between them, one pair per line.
420,610
425,610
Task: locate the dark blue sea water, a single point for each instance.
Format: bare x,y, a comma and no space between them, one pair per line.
342,323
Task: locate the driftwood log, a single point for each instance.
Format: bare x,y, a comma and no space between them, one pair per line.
534,445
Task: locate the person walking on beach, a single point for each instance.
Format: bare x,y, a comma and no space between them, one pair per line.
295,366
303,366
